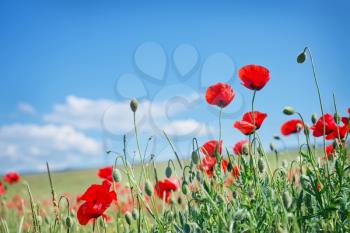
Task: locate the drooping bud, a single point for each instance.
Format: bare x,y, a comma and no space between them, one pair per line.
272,147
288,110
168,171
301,57
314,118
287,200
184,188
135,214
276,137
128,217
149,188
133,105
195,157
69,222
117,176
261,165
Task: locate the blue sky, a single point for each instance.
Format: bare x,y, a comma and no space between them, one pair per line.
68,69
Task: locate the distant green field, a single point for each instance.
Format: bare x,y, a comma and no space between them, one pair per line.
76,182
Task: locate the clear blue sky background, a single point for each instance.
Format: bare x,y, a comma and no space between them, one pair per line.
53,49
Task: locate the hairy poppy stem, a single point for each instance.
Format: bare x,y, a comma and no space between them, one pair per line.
53,194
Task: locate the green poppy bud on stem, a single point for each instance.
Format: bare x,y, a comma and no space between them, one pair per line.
149,188
168,171
337,117
117,176
314,118
272,147
69,222
261,165
288,110
245,149
306,129
184,188
135,214
128,217
133,105
301,57
195,157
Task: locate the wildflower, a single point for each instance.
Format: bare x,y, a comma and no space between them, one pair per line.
2,189
248,125
12,177
330,125
339,131
236,172
330,152
291,127
208,164
254,77
164,188
97,199
239,146
210,146
220,94
106,173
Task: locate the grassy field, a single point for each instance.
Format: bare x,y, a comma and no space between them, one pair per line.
76,182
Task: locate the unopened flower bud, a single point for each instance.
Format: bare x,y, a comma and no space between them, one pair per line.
337,117
306,129
199,176
261,165
314,118
128,217
69,222
149,188
288,110
301,57
245,148
117,176
179,200
133,105
272,147
195,157
184,188
187,228
299,127
276,137
287,200
135,214
168,171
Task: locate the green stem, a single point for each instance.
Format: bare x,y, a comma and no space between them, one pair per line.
138,147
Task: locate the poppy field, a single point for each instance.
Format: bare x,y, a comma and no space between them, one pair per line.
224,186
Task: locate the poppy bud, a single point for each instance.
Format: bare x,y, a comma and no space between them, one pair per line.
187,228
117,176
301,57
128,217
245,148
195,157
229,167
149,188
184,188
272,147
135,214
261,165
47,220
260,151
102,223
306,129
287,200
288,110
337,117
69,222
168,171
276,137
179,200
314,118
133,105
234,194
199,176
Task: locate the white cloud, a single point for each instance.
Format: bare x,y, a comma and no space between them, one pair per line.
26,108
28,146
116,116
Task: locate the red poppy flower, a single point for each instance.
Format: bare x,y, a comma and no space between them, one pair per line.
209,147
106,173
254,77
2,189
236,172
330,152
164,188
208,164
247,125
340,131
12,177
238,148
318,127
97,199
349,110
220,94
292,126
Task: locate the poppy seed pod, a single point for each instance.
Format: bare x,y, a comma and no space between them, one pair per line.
261,165
168,171
128,217
314,118
195,157
301,57
135,214
149,188
288,110
287,200
69,222
133,105
117,176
